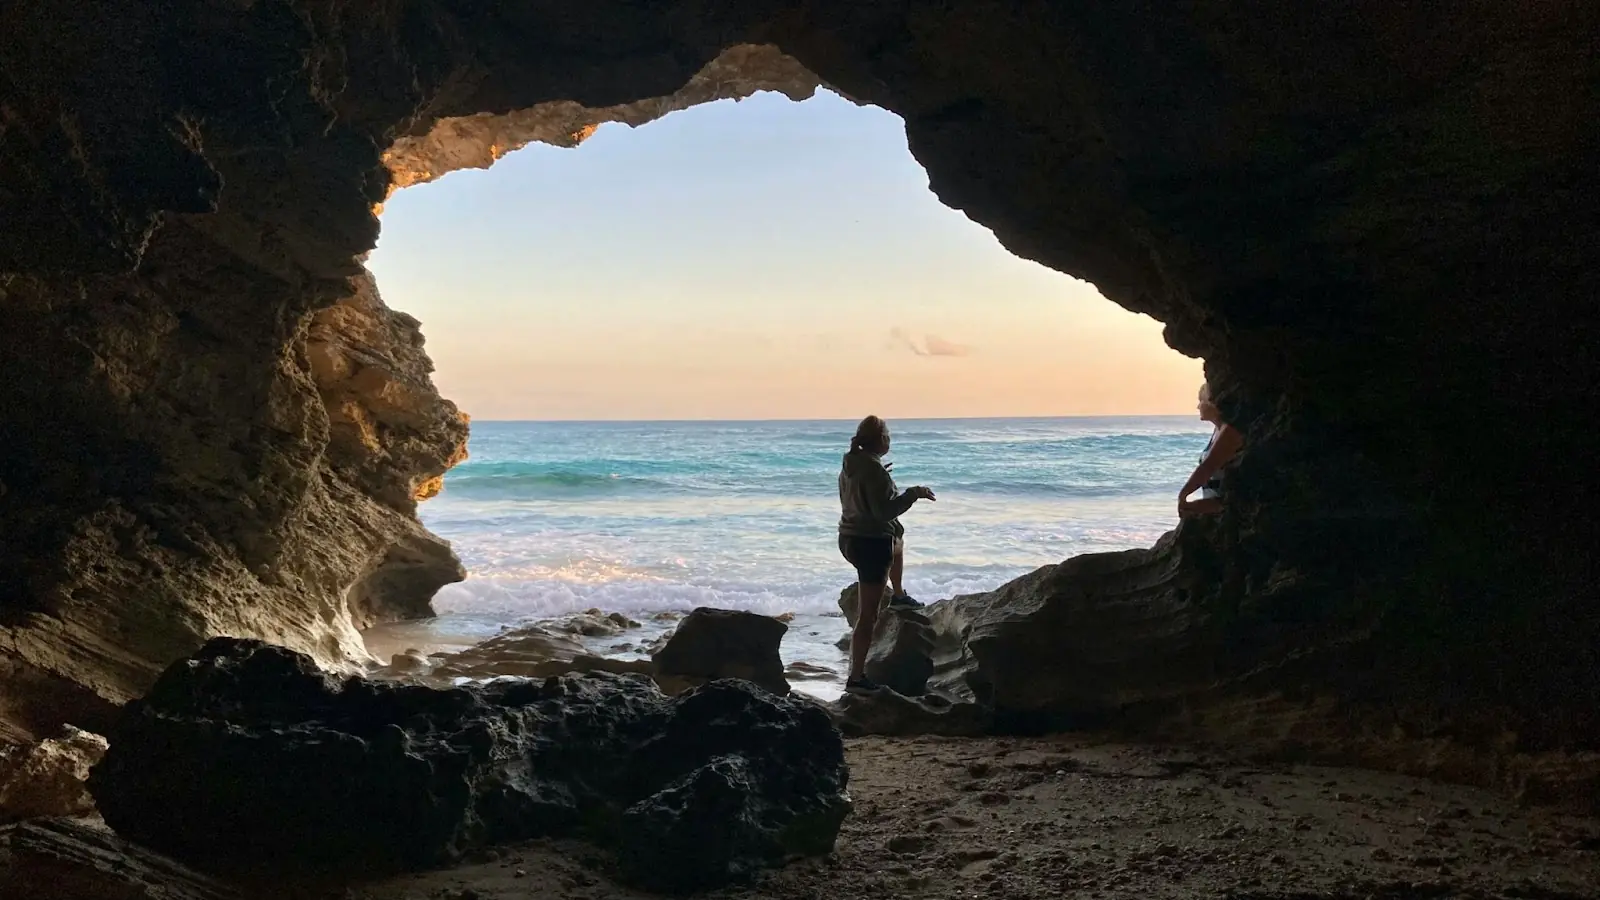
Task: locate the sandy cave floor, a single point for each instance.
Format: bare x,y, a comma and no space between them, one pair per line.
1046,817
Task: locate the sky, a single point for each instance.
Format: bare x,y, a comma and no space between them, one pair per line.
764,259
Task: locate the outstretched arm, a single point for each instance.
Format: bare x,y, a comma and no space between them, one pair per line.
1223,450
886,504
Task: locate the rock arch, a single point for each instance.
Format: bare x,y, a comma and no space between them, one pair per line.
1376,222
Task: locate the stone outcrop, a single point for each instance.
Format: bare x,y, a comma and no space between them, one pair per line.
476,141
901,657
389,429
70,859
276,501
1375,221
722,643
248,752
1079,641
47,778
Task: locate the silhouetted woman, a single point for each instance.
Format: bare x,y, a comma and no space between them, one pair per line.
870,534
1224,445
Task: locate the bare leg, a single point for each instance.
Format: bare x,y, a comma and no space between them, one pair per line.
866,622
897,567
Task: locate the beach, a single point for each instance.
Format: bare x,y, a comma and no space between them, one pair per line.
1022,818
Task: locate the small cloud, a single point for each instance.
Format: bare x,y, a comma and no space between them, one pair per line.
938,346
931,345
901,339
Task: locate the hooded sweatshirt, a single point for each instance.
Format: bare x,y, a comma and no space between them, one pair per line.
871,503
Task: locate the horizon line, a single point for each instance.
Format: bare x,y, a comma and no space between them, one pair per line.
475,420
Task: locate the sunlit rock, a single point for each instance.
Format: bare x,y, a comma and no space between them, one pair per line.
47,778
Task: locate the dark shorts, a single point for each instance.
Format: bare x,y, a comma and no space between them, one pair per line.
870,555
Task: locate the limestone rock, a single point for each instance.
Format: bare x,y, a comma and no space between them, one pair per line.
47,778
721,643
286,509
247,751
475,142
901,657
69,859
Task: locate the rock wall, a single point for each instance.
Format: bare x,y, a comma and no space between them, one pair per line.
476,141
1376,222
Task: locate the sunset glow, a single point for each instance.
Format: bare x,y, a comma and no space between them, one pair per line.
765,259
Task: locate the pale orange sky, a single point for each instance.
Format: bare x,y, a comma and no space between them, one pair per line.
766,259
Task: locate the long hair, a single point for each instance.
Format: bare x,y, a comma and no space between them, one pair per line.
868,434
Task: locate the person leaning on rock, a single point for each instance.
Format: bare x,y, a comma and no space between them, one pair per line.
870,535
1224,445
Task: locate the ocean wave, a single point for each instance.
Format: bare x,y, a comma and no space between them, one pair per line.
797,485
1046,488
520,599
540,482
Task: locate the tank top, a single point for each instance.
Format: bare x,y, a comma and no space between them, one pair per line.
1212,489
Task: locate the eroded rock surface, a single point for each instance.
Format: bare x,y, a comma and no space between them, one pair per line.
248,474
475,142
246,756
47,778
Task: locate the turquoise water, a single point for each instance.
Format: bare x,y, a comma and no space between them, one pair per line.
643,516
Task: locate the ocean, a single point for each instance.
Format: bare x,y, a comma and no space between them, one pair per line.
641,518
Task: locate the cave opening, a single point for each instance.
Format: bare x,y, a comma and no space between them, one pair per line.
1375,221
664,335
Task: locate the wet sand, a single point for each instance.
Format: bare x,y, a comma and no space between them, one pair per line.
1050,817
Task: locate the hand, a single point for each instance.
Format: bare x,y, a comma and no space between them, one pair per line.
922,493
888,467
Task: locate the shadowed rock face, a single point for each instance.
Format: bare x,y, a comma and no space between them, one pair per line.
722,643
1377,222
901,657
247,758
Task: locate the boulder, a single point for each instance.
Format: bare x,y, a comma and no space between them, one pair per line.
1081,640
47,778
723,643
247,752
901,657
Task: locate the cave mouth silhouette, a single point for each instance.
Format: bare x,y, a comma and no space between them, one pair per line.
1375,222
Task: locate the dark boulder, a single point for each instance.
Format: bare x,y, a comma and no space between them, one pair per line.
246,753
723,643
901,657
